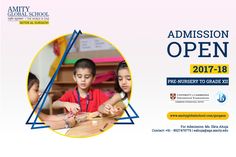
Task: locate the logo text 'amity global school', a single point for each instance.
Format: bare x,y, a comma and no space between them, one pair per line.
24,15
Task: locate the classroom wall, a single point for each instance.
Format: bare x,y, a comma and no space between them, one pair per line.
41,65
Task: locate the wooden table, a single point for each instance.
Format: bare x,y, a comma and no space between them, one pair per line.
94,126
91,127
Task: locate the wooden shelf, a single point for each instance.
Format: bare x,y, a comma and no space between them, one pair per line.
97,65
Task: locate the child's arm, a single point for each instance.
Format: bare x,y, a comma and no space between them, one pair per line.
46,117
108,106
57,121
60,124
71,107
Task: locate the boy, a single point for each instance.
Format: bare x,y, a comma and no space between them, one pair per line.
82,98
54,121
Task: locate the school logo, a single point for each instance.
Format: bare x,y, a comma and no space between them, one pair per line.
172,96
27,16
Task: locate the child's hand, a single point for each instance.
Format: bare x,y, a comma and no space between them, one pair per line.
72,107
109,109
93,115
119,111
71,121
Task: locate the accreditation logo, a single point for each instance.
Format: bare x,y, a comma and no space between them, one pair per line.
172,96
221,97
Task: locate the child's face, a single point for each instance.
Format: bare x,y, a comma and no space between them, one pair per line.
84,78
124,80
34,93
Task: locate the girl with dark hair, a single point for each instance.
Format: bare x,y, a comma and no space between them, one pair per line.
123,89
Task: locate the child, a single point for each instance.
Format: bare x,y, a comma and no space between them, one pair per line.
54,121
82,98
122,86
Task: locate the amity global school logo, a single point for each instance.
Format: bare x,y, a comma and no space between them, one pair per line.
25,15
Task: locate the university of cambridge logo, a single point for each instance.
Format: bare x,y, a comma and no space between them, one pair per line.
172,96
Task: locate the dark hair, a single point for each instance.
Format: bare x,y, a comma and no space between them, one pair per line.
121,65
85,63
32,79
